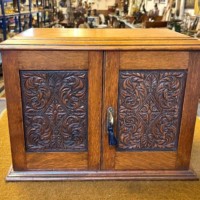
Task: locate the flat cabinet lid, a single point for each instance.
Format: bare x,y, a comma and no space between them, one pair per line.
101,39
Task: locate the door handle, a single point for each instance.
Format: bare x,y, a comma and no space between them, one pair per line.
112,141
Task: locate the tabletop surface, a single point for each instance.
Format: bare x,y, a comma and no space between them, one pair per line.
58,38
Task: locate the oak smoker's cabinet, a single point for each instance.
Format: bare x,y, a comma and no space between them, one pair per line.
101,104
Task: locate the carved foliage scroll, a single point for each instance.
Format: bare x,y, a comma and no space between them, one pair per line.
55,110
149,109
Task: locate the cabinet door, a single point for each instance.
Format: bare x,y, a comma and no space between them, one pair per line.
146,91
54,109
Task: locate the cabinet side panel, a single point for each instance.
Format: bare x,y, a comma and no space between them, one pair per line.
189,112
149,109
55,105
14,107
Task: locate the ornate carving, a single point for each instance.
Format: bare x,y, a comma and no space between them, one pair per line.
55,110
149,109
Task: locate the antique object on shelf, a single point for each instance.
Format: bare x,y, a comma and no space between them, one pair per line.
101,104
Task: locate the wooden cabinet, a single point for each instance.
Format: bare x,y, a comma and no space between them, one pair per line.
87,106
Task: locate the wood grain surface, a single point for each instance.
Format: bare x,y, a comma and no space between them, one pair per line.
95,109
57,161
153,60
14,107
52,60
100,34
101,39
110,93
145,160
189,112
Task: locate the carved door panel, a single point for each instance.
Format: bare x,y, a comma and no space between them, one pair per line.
147,103
57,94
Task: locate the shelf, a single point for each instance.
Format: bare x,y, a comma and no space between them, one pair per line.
29,13
9,15
23,13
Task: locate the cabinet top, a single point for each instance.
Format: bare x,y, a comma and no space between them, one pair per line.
101,39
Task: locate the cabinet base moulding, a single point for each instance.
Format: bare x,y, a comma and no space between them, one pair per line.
101,175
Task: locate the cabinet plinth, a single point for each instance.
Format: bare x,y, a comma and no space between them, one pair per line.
59,94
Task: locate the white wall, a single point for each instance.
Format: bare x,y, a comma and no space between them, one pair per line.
190,11
102,4
149,5
183,10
